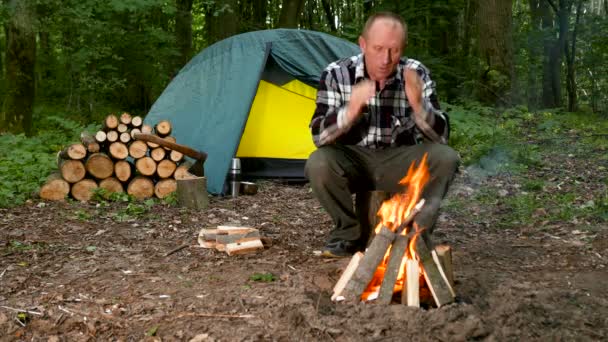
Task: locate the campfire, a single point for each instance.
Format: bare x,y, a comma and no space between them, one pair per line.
399,262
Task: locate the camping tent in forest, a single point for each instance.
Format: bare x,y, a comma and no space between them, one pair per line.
250,96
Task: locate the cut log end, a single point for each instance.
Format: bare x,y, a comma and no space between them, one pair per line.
123,170
141,187
137,121
119,150
55,188
165,168
112,185
125,118
72,170
83,190
111,122
112,136
165,187
163,128
158,154
145,166
100,166
74,151
138,149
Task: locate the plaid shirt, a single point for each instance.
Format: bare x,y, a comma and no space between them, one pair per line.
385,121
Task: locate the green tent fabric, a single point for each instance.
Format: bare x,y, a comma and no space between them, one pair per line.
208,101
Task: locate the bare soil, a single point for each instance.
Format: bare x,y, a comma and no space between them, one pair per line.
87,276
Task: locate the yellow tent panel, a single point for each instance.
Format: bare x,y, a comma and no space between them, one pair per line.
277,126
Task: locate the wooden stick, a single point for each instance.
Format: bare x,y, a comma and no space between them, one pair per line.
175,250
444,252
197,314
22,310
393,267
244,247
440,288
411,289
346,276
368,265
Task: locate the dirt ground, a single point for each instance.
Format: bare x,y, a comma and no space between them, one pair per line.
87,276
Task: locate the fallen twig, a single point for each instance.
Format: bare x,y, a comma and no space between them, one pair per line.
2,274
22,310
175,250
196,314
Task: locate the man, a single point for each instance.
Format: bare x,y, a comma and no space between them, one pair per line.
375,114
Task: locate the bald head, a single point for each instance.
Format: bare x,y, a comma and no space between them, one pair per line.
389,19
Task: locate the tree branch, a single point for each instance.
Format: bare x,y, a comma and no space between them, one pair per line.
554,7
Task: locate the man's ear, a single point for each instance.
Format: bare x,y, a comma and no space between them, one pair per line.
362,43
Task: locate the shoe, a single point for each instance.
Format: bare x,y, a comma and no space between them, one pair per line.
339,249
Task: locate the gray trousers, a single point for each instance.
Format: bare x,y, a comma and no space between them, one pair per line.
337,171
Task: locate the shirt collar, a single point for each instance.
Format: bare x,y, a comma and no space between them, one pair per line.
361,73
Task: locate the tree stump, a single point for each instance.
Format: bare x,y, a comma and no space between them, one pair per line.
192,193
367,205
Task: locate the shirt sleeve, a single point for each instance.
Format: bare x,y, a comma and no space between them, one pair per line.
436,118
329,120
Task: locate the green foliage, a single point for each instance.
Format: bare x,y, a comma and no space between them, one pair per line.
133,210
263,277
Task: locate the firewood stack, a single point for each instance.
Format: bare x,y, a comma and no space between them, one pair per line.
112,159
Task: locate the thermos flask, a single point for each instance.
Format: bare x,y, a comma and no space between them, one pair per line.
235,177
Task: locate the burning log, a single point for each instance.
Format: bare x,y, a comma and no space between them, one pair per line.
368,265
393,268
346,276
433,274
411,289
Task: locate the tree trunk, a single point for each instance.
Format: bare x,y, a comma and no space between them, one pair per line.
221,20
534,51
495,44
183,31
570,58
16,115
290,13
552,58
329,15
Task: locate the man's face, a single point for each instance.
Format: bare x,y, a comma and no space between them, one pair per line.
382,46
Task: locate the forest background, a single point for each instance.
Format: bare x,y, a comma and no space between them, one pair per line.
68,63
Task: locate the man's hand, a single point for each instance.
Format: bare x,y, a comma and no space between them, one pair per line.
361,93
413,92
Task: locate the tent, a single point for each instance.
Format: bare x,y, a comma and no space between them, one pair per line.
250,96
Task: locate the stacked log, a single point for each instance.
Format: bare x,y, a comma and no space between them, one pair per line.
113,160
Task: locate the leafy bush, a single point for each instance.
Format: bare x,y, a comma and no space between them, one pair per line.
25,162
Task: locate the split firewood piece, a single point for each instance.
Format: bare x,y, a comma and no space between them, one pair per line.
55,188
346,275
112,136
89,142
134,131
433,274
122,128
125,137
72,170
138,149
158,154
444,252
141,187
118,150
145,166
182,173
112,185
252,234
410,294
99,166
125,118
163,128
393,267
110,122
165,187
123,170
244,247
101,136
74,151
136,121
83,190
176,156
368,265
165,168
192,193
169,139
206,238
233,230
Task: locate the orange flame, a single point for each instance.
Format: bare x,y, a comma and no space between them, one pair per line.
392,213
